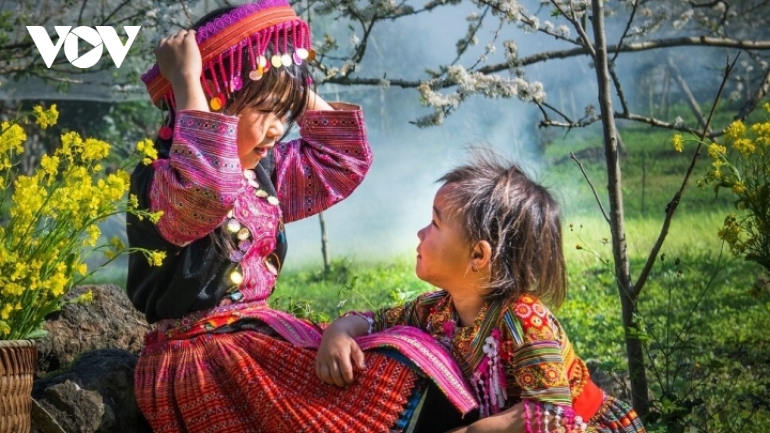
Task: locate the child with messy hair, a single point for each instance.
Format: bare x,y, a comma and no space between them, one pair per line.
494,248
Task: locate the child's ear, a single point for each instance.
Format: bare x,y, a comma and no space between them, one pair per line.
481,255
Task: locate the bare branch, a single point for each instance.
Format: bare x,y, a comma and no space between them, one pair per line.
761,92
596,195
574,52
472,31
579,27
626,30
618,88
672,205
552,108
694,106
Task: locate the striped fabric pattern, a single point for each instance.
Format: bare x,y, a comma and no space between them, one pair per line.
247,382
540,363
330,162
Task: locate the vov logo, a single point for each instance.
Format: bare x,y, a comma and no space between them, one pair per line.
103,36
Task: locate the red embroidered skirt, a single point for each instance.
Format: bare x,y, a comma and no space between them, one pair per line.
247,381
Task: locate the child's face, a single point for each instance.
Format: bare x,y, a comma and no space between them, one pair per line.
443,255
258,132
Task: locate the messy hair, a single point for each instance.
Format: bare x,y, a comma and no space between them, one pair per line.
497,202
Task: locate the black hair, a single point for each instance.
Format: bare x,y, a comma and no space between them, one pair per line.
497,202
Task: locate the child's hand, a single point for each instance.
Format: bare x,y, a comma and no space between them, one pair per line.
336,356
179,60
179,57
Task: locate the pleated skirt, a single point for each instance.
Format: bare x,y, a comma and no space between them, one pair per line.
249,381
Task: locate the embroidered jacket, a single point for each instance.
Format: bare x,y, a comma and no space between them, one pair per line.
538,360
202,188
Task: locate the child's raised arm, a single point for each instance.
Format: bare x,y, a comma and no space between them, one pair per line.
339,351
179,60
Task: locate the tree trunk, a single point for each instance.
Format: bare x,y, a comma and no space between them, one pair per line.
617,223
324,243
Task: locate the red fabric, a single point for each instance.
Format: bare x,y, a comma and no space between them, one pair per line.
589,401
248,382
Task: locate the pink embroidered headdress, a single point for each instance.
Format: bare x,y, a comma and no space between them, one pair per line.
262,35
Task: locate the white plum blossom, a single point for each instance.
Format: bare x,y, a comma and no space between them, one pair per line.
562,31
475,83
531,24
511,49
511,10
684,18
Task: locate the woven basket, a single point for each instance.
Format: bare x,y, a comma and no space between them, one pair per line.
17,372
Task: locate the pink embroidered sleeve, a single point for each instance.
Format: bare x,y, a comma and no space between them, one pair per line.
197,185
325,165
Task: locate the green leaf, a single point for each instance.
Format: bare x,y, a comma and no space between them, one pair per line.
36,334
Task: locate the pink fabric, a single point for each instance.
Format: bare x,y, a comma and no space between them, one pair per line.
326,165
203,180
432,359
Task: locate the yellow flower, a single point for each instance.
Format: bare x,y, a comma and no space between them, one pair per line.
5,329
93,232
5,313
85,298
11,138
715,151
745,146
50,164
147,148
762,131
735,130
739,188
95,150
117,243
45,118
51,220
156,258
678,143
155,216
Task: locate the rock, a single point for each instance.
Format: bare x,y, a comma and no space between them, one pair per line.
94,395
75,409
109,321
43,421
85,371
